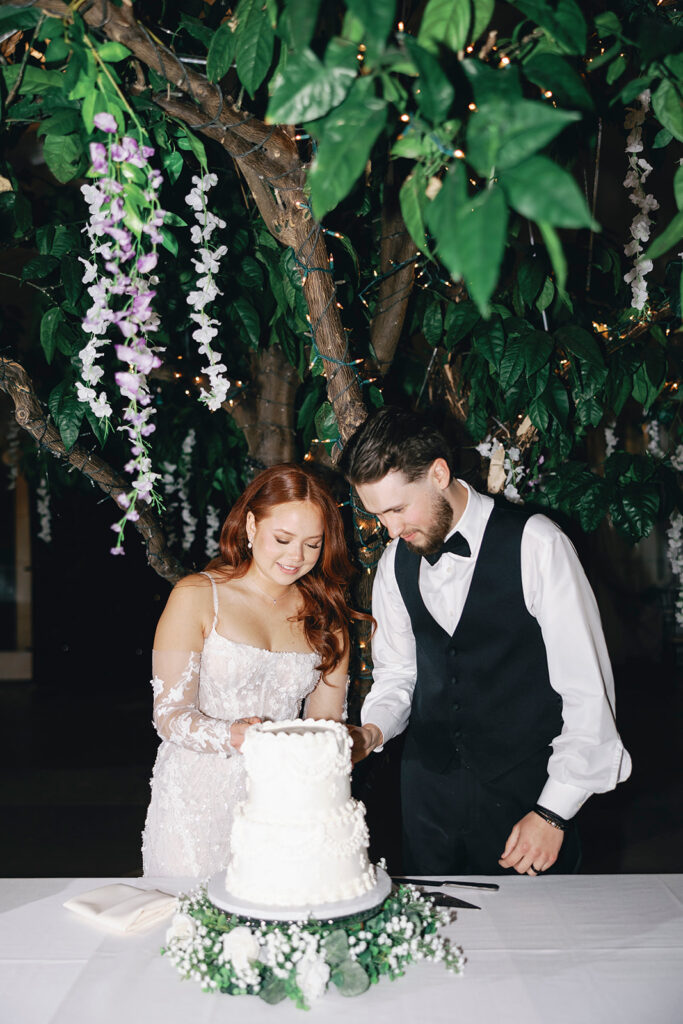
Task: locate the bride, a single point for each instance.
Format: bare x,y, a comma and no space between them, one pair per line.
263,629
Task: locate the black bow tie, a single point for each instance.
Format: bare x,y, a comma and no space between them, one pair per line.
456,544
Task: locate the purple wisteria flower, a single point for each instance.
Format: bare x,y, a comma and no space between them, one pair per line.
123,254
106,123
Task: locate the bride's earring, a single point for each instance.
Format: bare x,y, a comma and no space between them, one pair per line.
249,544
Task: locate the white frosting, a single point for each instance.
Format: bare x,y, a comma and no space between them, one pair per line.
298,838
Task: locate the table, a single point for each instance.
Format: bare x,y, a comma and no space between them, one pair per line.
575,949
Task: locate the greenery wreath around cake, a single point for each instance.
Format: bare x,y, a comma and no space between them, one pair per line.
299,960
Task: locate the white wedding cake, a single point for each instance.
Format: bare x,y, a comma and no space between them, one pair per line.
299,838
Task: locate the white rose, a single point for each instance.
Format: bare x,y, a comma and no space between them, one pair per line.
240,946
182,928
312,975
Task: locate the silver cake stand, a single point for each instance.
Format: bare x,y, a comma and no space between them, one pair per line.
219,895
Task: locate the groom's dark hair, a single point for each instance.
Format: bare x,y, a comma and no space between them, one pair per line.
393,439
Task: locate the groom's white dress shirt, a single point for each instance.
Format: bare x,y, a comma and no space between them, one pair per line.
588,756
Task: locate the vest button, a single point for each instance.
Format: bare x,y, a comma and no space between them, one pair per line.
454,679
452,653
456,706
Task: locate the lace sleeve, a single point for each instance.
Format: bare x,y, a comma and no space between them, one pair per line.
176,714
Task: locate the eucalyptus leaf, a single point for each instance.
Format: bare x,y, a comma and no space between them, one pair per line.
335,947
350,978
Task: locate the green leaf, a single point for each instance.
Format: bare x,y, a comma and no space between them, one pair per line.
577,342
634,510
530,278
113,52
668,108
561,19
504,133
36,81
57,51
459,320
671,235
303,15
326,425
513,362
662,139
168,240
433,91
477,242
12,19
99,427
173,164
39,267
198,29
254,43
67,412
538,413
648,379
308,89
413,203
550,71
557,399
547,295
616,69
72,275
607,24
445,23
221,52
49,326
678,187
556,254
347,136
559,201
489,340
377,18
432,325
350,978
443,212
538,348
483,12
188,140
63,155
247,318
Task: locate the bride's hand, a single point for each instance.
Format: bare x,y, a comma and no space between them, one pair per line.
365,738
239,728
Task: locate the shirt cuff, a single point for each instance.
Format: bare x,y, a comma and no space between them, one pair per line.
562,798
384,721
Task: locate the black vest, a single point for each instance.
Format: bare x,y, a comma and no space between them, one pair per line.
483,697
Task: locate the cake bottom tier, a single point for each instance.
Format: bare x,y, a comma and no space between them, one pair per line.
311,862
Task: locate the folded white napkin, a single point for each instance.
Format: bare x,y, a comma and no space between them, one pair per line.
123,908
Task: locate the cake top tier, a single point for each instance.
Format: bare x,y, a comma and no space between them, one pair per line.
308,746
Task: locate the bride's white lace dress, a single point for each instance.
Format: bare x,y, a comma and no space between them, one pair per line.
198,779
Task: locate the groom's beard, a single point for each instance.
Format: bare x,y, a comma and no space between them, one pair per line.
440,526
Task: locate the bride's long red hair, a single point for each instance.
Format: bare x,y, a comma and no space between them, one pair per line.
326,614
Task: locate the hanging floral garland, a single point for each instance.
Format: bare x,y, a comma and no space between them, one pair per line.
641,225
125,218
43,510
207,265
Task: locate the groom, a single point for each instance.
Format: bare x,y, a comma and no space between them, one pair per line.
489,653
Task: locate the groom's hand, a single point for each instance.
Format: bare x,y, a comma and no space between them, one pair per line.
532,846
365,739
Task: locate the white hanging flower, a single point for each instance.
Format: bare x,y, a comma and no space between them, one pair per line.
206,265
674,544
212,526
641,225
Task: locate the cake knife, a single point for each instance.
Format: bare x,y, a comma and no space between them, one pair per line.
484,886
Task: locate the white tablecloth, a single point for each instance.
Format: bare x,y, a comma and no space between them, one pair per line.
566,950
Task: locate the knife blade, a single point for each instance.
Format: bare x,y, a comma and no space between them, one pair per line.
483,886
443,899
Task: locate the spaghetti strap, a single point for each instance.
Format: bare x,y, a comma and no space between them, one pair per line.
214,590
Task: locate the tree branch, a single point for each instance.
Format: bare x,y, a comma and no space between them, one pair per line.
15,382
